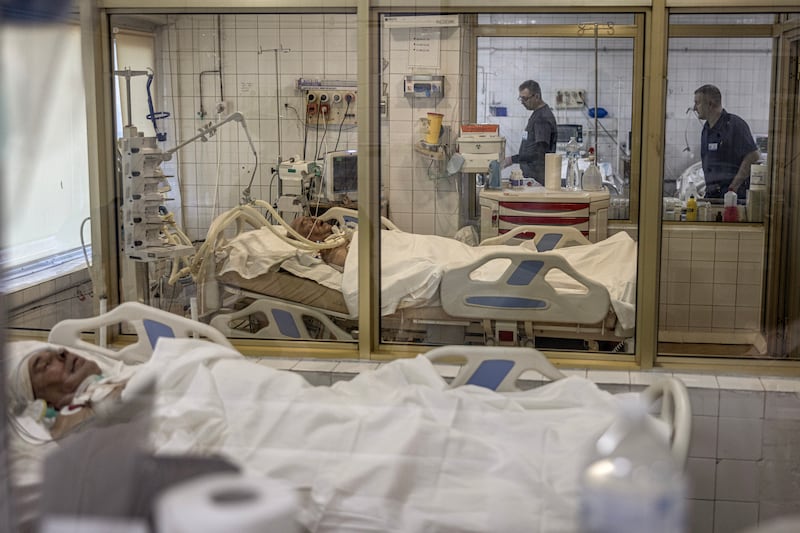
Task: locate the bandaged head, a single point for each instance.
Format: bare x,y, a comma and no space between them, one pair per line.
19,389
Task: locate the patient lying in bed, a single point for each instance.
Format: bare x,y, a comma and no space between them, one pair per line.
393,449
73,388
317,230
413,265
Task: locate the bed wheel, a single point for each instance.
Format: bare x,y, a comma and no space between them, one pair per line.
593,346
529,343
490,341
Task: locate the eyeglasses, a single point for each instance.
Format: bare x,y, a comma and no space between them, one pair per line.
524,98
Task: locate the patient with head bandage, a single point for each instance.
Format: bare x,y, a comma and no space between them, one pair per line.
69,387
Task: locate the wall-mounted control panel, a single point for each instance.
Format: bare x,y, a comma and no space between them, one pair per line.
570,98
329,102
424,86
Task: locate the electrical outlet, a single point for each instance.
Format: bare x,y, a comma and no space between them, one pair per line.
570,98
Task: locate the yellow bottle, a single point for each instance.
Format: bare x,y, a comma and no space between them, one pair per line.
691,209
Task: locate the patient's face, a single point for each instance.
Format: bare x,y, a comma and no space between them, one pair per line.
57,373
312,228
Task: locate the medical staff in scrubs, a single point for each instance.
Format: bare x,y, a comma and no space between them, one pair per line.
727,148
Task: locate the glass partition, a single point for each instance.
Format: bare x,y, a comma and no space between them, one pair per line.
230,130
478,257
718,180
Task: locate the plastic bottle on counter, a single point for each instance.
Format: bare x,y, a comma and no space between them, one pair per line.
731,212
516,179
592,179
691,209
633,482
573,174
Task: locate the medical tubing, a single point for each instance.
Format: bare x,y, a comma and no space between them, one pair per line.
85,254
339,135
248,214
153,116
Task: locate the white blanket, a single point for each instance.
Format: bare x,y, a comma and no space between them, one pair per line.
391,450
412,266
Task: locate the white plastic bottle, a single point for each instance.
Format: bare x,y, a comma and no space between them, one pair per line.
633,484
573,153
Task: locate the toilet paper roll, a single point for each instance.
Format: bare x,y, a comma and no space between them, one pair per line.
227,502
552,172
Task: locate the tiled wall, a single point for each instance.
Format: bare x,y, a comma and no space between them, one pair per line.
711,280
213,174
559,63
41,306
422,197
740,68
744,462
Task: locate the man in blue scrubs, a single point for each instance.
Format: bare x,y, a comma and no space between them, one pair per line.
727,148
540,135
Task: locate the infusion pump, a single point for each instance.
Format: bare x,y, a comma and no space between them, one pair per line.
299,180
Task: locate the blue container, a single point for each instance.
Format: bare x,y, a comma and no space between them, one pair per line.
498,111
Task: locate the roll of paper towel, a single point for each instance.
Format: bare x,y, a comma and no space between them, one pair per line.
227,502
552,172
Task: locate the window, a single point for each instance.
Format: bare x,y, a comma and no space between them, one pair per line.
45,164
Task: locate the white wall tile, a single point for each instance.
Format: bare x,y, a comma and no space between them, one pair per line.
725,272
724,294
724,318
748,318
726,250
734,516
737,481
703,441
702,477
702,249
700,316
739,438
702,271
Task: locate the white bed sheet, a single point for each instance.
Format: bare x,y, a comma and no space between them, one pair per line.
391,450
412,266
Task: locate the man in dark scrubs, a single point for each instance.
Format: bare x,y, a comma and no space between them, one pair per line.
727,148
540,134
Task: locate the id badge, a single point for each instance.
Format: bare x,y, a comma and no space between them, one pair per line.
712,147
525,135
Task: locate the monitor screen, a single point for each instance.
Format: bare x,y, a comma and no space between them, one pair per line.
565,131
341,174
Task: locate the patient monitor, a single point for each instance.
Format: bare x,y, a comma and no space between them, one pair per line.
340,175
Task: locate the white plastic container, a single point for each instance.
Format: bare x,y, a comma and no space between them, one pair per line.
573,176
633,484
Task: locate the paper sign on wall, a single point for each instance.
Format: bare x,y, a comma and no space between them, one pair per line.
424,48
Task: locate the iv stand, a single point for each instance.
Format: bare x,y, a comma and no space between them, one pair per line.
582,27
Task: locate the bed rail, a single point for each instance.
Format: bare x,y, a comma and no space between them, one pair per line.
499,368
675,410
522,288
149,323
494,367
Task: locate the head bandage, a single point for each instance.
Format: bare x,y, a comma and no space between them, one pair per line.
18,377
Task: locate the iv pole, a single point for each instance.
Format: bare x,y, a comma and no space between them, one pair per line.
582,27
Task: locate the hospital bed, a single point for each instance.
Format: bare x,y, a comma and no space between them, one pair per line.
505,295
397,448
